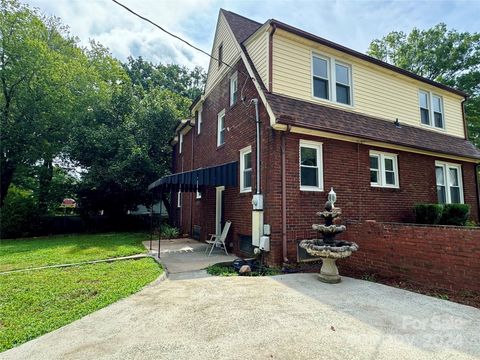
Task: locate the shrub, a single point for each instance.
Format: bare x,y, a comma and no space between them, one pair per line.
19,214
428,213
455,214
169,232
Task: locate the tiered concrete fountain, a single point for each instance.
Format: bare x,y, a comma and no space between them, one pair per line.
327,248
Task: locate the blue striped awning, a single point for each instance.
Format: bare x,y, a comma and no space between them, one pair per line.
220,175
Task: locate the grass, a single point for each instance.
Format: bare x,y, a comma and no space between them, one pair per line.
36,302
62,249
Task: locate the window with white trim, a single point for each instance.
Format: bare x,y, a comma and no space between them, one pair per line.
449,183
331,80
383,169
221,128
199,120
233,88
180,143
179,199
431,109
311,166
246,169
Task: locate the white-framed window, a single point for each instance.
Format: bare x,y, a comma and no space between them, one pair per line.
342,83
199,120
233,88
246,169
179,199
383,169
431,109
180,143
198,194
331,79
221,128
449,183
321,77
311,165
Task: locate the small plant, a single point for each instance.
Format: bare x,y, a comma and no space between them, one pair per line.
455,214
221,270
169,232
369,277
428,213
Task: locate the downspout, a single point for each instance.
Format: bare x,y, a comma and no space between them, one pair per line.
478,192
258,172
192,194
284,196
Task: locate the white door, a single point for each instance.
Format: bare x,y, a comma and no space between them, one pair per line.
218,209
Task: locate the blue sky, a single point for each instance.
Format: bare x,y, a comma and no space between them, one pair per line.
350,23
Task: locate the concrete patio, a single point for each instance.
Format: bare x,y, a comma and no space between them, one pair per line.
186,255
281,317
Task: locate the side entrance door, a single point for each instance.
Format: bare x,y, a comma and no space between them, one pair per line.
219,220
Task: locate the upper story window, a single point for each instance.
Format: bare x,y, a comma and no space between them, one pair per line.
311,166
332,80
383,169
342,76
221,128
179,199
233,88
449,183
246,169
321,78
220,55
431,109
180,143
199,121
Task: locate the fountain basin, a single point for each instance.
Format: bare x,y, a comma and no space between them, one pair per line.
329,253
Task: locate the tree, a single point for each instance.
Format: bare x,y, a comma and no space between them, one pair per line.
44,79
447,56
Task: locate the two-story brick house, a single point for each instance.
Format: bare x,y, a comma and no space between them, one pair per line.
385,139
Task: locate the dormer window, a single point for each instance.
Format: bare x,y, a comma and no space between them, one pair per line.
332,80
431,109
220,55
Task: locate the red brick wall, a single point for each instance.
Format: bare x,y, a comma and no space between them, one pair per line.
347,170
240,133
435,256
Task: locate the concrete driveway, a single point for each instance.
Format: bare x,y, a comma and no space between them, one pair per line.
281,317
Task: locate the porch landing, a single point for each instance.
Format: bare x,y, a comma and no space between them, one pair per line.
186,255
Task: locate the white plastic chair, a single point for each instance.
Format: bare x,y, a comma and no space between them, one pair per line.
219,239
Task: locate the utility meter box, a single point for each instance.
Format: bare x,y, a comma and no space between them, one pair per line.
266,229
265,243
257,202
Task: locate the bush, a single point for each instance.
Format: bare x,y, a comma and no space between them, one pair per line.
448,214
19,214
428,213
169,232
455,214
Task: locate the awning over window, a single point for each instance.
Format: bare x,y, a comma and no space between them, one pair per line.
220,175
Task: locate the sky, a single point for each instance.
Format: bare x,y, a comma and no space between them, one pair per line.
351,23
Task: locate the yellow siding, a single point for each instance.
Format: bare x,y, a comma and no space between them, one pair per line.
258,51
230,53
377,91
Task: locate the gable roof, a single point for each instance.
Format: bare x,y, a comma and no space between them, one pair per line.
300,113
243,28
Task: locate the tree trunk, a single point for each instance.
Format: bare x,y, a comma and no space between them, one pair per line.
6,174
45,179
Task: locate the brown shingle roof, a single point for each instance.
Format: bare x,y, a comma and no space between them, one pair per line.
241,26
319,117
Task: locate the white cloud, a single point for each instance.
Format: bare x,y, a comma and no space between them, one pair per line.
350,23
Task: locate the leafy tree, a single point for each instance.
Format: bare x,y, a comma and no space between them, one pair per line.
44,77
447,56
178,79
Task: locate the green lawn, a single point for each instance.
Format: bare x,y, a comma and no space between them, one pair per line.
25,253
36,302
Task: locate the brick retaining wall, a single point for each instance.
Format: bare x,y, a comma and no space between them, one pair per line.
437,256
